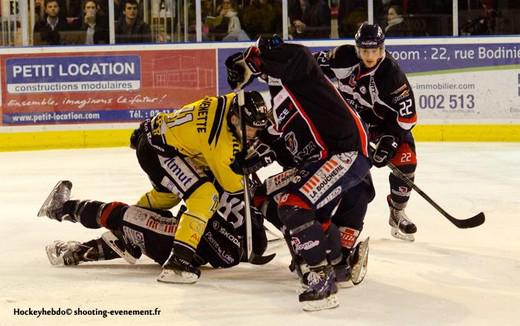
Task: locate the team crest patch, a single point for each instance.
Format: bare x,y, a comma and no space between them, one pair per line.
291,143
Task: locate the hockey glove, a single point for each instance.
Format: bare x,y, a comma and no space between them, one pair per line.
384,151
258,156
322,58
243,67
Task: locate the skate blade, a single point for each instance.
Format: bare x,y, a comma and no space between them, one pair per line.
177,277
345,284
359,270
42,211
396,233
317,305
110,239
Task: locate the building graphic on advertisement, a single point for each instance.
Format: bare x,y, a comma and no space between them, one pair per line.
183,72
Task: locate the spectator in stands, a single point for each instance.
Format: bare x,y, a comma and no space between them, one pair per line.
309,18
484,24
262,18
93,26
130,28
351,14
226,26
47,31
396,25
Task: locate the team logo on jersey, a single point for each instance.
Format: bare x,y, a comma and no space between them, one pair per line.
291,143
363,90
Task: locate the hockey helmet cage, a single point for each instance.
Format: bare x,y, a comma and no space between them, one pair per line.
254,111
369,36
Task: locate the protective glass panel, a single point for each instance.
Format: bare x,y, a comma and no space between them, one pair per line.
489,17
414,18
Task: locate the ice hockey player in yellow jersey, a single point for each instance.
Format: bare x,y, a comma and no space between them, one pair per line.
182,152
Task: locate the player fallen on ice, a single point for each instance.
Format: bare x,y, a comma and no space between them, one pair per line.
373,83
317,133
181,153
134,231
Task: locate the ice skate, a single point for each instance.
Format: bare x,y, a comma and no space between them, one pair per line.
321,289
358,261
116,241
53,206
179,270
402,227
62,253
343,275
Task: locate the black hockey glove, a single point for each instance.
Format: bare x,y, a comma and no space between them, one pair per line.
242,68
385,150
258,156
322,58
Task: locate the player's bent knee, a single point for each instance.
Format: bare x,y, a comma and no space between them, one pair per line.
112,215
294,212
201,205
203,202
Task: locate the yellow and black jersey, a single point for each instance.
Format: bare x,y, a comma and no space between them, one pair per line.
200,131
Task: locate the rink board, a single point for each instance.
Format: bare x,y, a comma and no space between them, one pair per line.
37,140
64,98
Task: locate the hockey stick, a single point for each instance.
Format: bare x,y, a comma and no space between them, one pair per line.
247,195
471,222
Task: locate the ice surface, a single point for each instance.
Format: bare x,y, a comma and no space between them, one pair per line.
447,276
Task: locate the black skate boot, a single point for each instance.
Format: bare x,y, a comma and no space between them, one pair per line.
358,261
321,289
61,253
342,269
53,206
179,269
402,227
117,241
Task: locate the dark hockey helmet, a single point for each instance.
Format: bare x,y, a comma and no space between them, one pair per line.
254,111
369,36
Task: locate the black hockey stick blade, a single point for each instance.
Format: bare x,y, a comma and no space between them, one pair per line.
471,222
261,260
